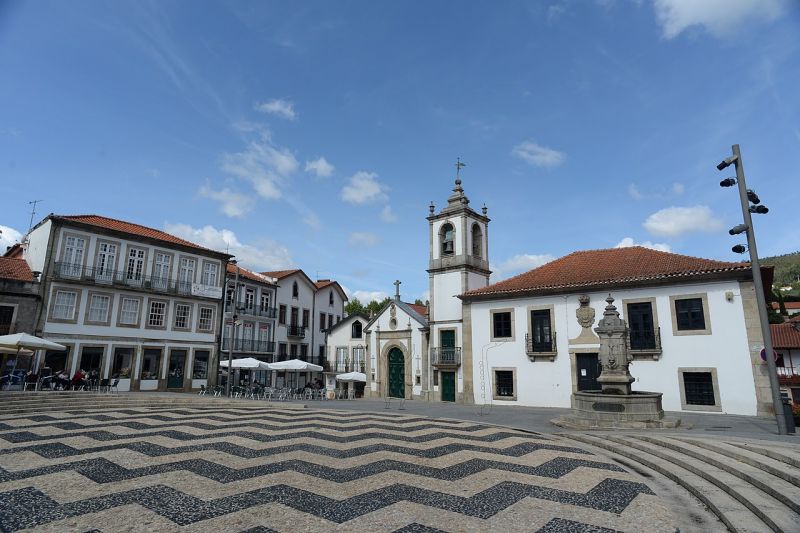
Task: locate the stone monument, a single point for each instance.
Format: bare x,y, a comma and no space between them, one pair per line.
615,405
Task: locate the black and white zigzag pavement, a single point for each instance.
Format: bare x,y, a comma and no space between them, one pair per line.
229,469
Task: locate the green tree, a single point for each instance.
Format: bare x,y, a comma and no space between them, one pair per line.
374,306
418,302
354,306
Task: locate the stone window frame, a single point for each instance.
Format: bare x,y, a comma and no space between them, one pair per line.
166,313
194,351
104,361
717,407
513,371
295,290
115,268
479,255
172,270
442,235
175,304
652,300
63,245
14,309
360,337
282,314
197,266
55,289
211,320
112,357
124,269
159,369
305,318
706,314
543,307
330,298
493,312
109,310
204,263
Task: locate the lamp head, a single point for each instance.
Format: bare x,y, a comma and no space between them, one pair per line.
727,182
741,228
739,249
759,209
727,162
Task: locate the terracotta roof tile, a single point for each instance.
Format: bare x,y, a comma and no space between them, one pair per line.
613,266
785,336
131,229
280,274
420,309
15,268
788,305
321,284
248,274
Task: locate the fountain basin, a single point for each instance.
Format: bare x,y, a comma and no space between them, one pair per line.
596,410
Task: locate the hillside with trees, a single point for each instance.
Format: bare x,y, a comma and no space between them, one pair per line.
787,269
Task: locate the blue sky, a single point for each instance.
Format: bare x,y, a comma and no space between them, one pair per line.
315,134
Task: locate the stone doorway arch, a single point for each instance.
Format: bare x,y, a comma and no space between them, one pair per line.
396,373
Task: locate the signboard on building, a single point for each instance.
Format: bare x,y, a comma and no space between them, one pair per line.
206,291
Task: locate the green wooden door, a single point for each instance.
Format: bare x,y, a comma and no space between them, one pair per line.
397,373
448,386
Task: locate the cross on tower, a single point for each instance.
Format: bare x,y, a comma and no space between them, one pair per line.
459,166
397,289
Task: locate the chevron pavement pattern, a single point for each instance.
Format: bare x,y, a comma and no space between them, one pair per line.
192,469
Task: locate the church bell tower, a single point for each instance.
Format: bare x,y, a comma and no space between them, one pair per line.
458,262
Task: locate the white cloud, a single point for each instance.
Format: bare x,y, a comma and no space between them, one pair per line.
387,215
719,17
518,263
262,163
538,155
8,237
280,107
366,297
265,255
627,242
633,191
359,238
320,167
676,221
363,188
232,203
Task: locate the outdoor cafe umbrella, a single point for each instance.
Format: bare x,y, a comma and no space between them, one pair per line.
19,342
295,365
247,363
352,376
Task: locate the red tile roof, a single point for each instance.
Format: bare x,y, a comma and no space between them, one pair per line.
321,284
248,274
785,336
420,309
131,229
280,274
15,268
609,267
788,305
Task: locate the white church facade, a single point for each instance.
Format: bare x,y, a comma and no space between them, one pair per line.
529,340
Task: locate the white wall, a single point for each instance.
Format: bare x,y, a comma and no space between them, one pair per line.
305,300
36,251
375,349
549,384
446,285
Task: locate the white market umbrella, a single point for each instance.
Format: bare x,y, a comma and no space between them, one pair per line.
12,350
295,365
24,340
352,376
245,362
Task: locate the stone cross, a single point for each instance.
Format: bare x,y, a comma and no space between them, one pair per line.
397,289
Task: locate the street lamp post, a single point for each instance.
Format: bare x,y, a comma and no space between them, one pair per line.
746,196
234,317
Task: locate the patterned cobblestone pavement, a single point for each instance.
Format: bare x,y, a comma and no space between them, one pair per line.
229,469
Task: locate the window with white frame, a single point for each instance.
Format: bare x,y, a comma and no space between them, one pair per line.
135,268
106,259
249,298
206,318
74,248
161,267
64,306
98,308
210,273
265,301
182,314
158,312
186,274
129,311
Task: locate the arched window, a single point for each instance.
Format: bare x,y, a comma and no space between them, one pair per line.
294,290
477,240
330,298
446,237
356,330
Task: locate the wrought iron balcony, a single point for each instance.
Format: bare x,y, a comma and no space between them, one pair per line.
446,356
295,331
348,366
788,376
121,278
535,346
247,345
644,342
253,310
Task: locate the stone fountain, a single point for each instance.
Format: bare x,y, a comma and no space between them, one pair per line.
615,405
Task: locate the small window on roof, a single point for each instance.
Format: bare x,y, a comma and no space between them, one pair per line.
294,290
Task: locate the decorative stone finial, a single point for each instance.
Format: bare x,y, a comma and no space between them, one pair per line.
431,208
484,210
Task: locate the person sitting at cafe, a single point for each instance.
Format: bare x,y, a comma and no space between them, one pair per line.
79,379
61,380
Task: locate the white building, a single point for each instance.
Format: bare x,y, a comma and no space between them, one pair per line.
328,309
397,340
786,341
693,331
128,301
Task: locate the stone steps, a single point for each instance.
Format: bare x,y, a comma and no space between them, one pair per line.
12,404
741,489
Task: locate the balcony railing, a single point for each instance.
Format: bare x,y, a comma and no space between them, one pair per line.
446,356
644,341
295,331
106,276
253,310
788,375
247,345
535,346
348,366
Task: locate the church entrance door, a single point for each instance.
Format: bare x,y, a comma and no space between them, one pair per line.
448,386
397,373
